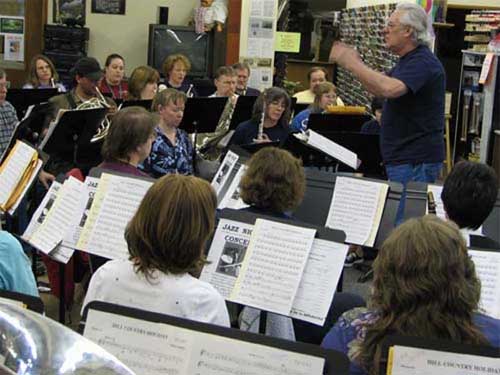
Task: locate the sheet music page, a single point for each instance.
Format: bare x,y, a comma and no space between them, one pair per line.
356,208
42,210
94,212
333,149
226,255
13,169
123,196
50,234
319,281
147,348
488,270
416,361
273,267
232,197
224,171
33,176
217,355
85,203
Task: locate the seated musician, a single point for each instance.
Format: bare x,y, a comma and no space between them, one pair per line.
165,239
243,74
271,113
172,150
212,144
8,115
424,285
113,84
469,194
143,83
315,76
325,94
373,126
43,75
175,69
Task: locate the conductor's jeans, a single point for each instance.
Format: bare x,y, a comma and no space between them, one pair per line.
404,173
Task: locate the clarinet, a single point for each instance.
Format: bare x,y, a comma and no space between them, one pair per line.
431,203
260,132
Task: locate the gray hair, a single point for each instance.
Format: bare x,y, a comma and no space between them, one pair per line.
414,16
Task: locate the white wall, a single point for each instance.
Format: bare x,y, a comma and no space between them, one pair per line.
471,3
128,34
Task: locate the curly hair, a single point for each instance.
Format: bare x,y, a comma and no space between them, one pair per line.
171,225
169,62
274,180
424,285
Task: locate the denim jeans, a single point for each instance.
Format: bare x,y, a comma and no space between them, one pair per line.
404,173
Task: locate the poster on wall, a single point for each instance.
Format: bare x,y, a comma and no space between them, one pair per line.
11,25
108,6
68,10
13,47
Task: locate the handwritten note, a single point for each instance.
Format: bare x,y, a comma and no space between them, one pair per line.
275,260
356,208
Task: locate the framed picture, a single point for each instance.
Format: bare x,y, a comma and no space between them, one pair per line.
108,6
12,25
68,11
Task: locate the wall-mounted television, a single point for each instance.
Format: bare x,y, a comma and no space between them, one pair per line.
165,40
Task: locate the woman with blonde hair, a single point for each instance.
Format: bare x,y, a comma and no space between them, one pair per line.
143,83
424,285
165,239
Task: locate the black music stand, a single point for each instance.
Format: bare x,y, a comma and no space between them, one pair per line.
299,107
333,122
319,189
432,344
70,140
336,363
202,115
21,99
242,111
31,302
144,103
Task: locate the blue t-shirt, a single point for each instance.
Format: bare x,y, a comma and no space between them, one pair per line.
370,127
299,122
15,267
349,332
247,131
412,128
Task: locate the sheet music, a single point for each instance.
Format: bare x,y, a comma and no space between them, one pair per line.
488,270
147,348
232,197
224,171
226,255
416,361
159,348
14,168
57,222
123,196
275,260
356,208
33,176
42,210
333,149
319,281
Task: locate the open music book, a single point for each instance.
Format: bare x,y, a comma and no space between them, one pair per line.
356,208
247,260
488,270
150,348
17,172
114,203
330,148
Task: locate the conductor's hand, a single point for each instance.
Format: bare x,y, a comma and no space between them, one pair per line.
263,139
343,54
46,178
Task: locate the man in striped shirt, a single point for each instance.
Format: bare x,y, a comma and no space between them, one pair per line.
8,116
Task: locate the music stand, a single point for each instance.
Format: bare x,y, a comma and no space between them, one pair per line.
242,111
21,99
32,303
324,123
70,139
308,154
299,107
335,362
202,115
146,104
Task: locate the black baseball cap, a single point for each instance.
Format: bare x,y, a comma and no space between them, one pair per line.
88,67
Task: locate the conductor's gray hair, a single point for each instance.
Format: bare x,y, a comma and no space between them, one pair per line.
414,16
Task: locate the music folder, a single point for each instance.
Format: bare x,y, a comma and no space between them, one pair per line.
242,111
148,343
69,137
21,99
201,115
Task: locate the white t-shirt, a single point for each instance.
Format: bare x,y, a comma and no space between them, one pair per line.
182,296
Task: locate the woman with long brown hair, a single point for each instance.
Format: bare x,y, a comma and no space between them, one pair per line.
425,285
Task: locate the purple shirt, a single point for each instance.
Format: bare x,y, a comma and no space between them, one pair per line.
122,167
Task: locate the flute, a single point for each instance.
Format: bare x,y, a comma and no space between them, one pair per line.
189,94
52,83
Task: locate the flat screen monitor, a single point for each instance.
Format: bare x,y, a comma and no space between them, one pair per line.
165,40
